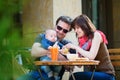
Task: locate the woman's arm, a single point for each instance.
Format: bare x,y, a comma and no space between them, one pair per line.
91,54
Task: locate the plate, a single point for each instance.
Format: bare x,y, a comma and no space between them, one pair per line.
82,59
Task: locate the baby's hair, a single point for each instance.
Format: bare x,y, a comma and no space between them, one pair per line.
49,30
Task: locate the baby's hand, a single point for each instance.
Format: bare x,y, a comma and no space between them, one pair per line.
49,47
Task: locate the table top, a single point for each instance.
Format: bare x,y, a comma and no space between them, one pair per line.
72,63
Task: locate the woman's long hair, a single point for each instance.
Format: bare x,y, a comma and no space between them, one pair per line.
85,24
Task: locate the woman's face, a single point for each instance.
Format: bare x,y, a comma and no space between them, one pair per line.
79,31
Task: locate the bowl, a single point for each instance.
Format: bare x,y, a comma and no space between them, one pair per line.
72,57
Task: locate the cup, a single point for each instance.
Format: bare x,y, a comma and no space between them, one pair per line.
54,53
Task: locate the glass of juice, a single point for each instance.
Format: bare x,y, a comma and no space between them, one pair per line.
54,53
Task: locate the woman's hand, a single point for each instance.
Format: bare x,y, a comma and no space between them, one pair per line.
70,45
64,51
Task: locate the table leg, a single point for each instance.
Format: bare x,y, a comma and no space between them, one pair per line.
72,74
93,73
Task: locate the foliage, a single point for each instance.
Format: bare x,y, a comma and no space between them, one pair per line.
10,40
27,60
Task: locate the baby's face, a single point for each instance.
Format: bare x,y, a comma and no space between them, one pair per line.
52,36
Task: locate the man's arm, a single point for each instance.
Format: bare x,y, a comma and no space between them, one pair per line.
38,51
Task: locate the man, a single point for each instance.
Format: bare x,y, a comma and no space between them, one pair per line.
62,27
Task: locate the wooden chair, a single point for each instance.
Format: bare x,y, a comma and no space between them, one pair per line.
115,56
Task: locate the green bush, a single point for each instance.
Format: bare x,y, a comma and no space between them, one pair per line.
11,40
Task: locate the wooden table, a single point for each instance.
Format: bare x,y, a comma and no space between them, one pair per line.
69,63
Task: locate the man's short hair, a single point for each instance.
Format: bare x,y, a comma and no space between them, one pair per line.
65,19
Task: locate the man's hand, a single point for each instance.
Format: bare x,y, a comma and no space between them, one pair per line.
61,57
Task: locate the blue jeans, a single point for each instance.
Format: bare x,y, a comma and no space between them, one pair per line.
47,69
97,76
33,75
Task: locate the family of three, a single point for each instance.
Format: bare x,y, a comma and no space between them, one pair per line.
92,45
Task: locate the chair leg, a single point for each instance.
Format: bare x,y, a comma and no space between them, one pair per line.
40,73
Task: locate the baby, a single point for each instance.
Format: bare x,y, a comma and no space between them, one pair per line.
47,41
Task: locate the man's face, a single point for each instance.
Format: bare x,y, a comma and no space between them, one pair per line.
62,28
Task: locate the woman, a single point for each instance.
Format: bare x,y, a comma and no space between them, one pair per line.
92,45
